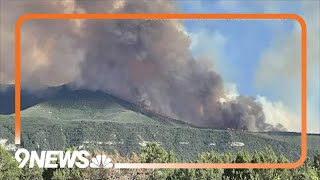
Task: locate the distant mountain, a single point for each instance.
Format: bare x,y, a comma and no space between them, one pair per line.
59,117
28,98
81,103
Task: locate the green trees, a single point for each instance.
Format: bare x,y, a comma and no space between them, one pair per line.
8,165
31,173
154,153
211,157
63,173
9,169
305,172
66,174
241,157
309,170
316,162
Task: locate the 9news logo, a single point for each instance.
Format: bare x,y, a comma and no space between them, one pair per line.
61,159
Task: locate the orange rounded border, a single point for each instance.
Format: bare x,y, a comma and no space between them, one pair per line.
178,16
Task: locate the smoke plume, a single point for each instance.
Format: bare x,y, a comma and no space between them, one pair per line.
147,62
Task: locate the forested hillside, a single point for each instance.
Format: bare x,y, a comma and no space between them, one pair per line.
86,119
153,153
42,134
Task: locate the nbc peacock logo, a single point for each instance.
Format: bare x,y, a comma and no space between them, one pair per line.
101,161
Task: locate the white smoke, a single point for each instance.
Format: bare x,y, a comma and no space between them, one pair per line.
280,66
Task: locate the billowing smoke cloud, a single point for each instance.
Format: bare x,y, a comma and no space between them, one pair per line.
278,112
144,61
280,66
49,49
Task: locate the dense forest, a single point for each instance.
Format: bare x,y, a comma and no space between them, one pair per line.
104,124
62,118
44,134
154,153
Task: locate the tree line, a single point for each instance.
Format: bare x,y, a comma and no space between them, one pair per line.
154,153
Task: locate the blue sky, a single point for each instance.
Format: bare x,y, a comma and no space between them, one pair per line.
246,39
238,47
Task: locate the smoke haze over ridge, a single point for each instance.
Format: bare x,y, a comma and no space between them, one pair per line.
144,61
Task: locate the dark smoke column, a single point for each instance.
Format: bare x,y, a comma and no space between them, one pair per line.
150,62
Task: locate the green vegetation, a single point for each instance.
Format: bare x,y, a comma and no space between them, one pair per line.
9,169
97,120
154,153
43,134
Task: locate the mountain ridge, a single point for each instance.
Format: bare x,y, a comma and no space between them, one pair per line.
88,119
